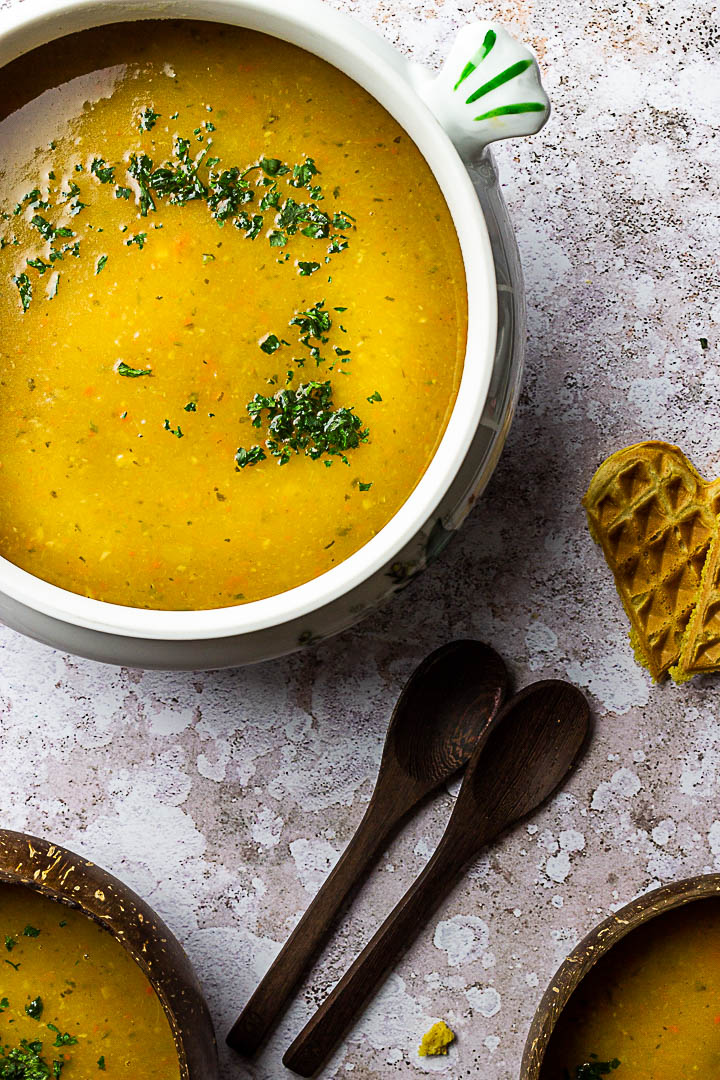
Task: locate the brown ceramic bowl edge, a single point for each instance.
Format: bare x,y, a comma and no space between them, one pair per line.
76,882
593,946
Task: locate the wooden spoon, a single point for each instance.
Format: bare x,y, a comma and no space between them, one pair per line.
442,712
527,752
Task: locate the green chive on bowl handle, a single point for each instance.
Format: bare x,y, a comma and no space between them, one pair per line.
489,88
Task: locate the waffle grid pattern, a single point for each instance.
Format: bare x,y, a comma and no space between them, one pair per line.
700,652
654,517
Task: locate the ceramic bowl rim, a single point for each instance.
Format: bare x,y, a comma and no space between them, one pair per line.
340,40
596,944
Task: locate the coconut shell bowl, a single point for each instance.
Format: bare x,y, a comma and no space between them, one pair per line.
570,978
72,881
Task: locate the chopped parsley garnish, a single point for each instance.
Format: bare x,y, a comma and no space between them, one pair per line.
4,1004
10,943
148,118
138,238
34,1008
302,421
31,931
190,407
122,192
271,344
177,432
101,1063
374,397
315,322
31,197
364,487
99,265
48,231
62,1038
249,457
592,1069
104,172
24,287
24,1062
303,174
131,372
227,192
273,166
307,268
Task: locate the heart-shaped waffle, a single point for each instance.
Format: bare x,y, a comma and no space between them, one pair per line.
700,647
654,517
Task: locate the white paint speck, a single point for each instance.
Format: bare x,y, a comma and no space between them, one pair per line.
484,1000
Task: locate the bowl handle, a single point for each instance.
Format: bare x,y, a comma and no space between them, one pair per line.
489,88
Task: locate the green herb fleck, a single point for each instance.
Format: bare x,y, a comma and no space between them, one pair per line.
307,268
31,931
4,1004
148,118
39,264
34,1008
100,264
273,167
704,343
374,397
593,1069
249,457
364,487
122,192
101,1063
62,1038
48,231
10,943
104,172
177,432
24,287
271,344
131,372
138,238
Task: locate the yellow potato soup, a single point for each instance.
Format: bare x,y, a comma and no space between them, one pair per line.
650,1008
233,315
73,1002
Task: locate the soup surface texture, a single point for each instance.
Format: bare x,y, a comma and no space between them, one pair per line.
650,1008
232,315
70,993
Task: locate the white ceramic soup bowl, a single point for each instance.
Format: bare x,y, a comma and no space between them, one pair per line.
488,88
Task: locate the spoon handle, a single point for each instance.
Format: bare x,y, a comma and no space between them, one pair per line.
341,1008
296,956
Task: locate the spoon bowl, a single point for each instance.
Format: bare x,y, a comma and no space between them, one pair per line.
525,755
444,709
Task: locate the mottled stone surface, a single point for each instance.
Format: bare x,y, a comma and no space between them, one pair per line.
224,798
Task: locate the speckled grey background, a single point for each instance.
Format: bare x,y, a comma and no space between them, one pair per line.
225,798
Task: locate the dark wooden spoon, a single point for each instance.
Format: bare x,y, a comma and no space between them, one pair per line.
442,712
523,757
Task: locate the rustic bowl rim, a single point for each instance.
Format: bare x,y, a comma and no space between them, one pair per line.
101,881
339,39
596,944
